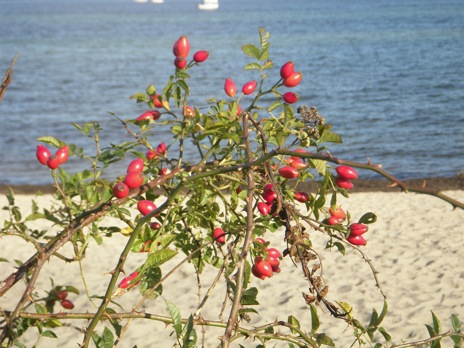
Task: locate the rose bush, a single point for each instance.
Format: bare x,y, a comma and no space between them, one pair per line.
254,150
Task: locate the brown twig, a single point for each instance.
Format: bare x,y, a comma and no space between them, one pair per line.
232,320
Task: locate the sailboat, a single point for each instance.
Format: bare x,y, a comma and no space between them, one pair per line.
209,5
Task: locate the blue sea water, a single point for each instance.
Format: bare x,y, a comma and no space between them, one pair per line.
389,75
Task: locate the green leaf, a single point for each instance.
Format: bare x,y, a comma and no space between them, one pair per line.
294,322
274,105
140,97
456,323
385,334
49,334
368,218
108,338
151,90
175,316
324,339
436,323
314,318
253,66
40,309
251,50
330,137
383,313
35,216
189,334
249,297
52,141
160,256
341,248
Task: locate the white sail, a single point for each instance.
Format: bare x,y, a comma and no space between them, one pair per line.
209,5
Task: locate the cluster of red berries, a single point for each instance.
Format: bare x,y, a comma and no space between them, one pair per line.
346,175
128,282
337,215
133,179
356,231
293,166
52,161
181,50
290,78
62,297
265,267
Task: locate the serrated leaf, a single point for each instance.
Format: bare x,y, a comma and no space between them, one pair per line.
330,137
274,105
108,338
251,51
52,141
319,165
175,316
160,256
249,297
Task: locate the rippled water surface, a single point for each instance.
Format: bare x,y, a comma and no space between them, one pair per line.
387,74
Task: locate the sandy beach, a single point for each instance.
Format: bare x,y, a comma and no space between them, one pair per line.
416,245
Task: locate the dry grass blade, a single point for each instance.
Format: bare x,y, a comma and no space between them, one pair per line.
7,79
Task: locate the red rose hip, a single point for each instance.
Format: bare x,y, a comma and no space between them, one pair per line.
346,172
289,172
230,88
263,208
43,154
290,97
120,190
135,166
343,183
67,304
249,87
62,154
293,80
53,162
219,235
134,180
357,229
145,206
287,70
200,56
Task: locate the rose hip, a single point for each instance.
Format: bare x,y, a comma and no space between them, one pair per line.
43,154
230,88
